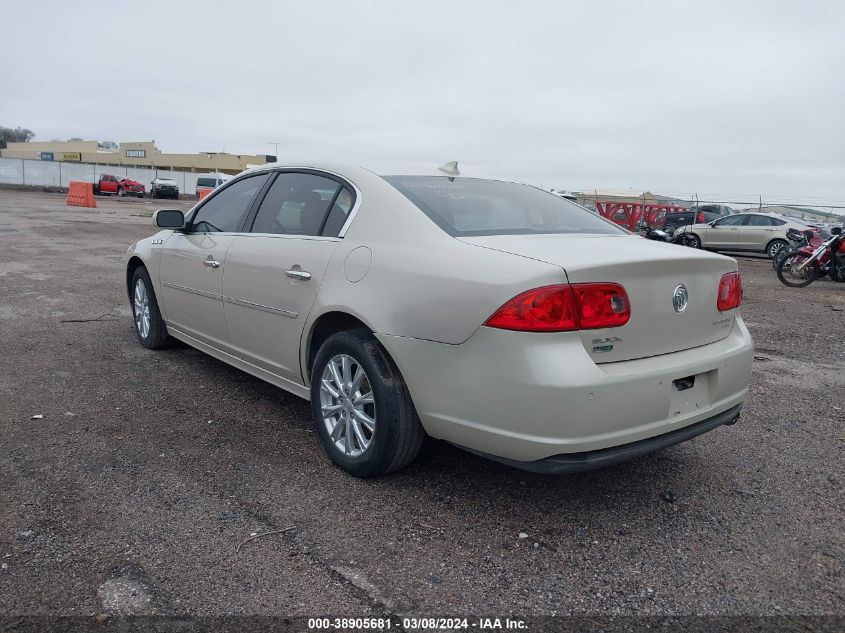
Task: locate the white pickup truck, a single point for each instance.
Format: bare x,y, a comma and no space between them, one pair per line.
164,188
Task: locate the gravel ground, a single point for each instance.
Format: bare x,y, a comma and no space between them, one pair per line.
148,469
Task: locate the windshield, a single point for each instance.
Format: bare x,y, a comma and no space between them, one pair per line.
471,206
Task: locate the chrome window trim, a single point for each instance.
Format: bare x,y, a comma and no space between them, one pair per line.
293,236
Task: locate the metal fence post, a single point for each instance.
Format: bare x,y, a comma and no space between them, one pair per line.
23,172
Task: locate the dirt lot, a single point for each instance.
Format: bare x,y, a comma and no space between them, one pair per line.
148,469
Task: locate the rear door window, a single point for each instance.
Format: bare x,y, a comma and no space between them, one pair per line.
759,220
296,204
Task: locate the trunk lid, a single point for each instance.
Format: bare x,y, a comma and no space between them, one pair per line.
650,272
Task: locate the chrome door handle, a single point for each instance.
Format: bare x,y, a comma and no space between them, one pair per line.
304,275
211,263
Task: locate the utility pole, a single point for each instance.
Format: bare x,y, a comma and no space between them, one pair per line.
275,145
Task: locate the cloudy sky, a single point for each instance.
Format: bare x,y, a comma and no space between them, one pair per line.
729,100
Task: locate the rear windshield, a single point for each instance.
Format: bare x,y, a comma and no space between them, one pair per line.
206,182
471,206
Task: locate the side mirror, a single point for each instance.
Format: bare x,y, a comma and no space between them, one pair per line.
836,230
169,219
714,225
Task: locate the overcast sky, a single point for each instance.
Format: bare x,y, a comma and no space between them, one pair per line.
727,100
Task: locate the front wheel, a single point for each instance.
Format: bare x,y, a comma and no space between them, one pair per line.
791,273
693,241
120,193
362,409
149,326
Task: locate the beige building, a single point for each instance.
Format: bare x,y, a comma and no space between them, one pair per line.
142,154
588,198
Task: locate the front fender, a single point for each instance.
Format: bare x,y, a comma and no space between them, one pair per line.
147,253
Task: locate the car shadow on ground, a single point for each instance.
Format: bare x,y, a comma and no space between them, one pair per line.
450,474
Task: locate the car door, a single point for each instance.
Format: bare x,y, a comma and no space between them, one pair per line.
723,234
193,262
756,233
108,184
273,272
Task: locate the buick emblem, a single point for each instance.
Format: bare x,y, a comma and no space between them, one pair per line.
680,298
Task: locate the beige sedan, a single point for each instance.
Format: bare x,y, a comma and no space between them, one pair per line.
490,314
750,232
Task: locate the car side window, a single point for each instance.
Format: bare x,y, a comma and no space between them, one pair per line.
339,212
776,222
225,210
759,220
296,204
732,220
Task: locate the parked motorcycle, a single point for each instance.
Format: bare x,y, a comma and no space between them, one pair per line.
799,268
662,236
800,239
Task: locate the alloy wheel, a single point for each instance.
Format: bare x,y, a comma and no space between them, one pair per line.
776,249
142,309
347,403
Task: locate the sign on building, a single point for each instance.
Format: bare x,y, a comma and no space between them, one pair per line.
46,155
72,156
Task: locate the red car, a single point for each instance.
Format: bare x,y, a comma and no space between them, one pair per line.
111,185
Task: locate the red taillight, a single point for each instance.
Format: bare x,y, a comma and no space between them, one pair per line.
546,309
564,308
730,292
700,218
602,305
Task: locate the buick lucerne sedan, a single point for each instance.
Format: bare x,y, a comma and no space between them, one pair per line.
490,314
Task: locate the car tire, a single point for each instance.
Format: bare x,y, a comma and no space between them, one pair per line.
120,192
811,274
776,247
149,326
381,395
693,241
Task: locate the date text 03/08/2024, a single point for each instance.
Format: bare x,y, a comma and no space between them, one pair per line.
416,624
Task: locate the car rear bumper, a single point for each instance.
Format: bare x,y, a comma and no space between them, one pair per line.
526,396
591,460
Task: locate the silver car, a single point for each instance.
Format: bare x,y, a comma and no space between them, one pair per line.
490,314
749,232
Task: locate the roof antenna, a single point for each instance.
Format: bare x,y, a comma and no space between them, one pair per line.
450,168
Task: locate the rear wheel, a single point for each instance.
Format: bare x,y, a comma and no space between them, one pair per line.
777,248
362,409
120,192
792,274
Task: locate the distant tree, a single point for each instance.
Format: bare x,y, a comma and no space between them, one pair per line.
14,135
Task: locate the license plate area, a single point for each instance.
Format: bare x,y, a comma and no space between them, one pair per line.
690,393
